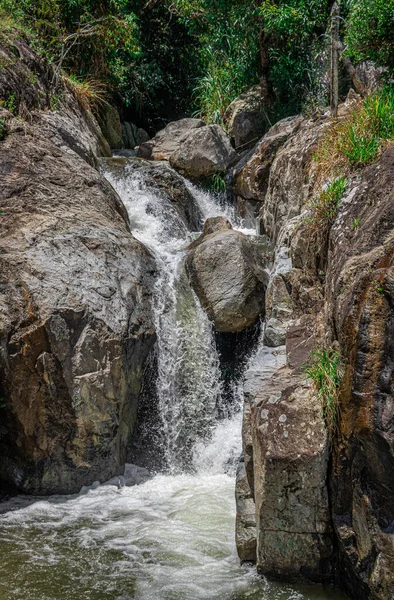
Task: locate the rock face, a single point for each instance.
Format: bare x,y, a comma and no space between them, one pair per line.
169,139
360,294
227,273
111,126
348,306
251,174
132,135
286,457
75,324
244,118
206,151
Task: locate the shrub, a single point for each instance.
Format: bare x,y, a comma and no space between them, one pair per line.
325,372
370,31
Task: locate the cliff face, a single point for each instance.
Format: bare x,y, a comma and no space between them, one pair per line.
75,324
321,508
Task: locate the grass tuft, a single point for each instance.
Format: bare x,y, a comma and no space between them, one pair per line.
325,372
357,140
90,93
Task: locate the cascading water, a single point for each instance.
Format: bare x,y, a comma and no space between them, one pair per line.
171,538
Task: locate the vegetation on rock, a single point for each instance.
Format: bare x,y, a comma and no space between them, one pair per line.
325,372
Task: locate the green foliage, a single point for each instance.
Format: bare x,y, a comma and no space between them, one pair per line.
294,31
3,130
228,52
10,102
324,208
357,140
369,33
215,183
134,48
356,222
325,372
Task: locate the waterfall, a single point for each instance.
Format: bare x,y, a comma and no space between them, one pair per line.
188,384
171,538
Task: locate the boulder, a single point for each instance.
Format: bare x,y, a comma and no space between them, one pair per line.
360,315
75,314
133,136
205,151
111,126
244,118
226,270
251,174
168,140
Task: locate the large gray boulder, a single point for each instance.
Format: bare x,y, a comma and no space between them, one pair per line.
206,151
227,273
169,139
244,118
75,318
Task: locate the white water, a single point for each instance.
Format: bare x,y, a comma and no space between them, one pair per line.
171,538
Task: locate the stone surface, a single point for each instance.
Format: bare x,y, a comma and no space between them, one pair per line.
75,319
251,174
227,273
111,126
360,300
245,523
244,118
290,459
205,151
132,135
168,140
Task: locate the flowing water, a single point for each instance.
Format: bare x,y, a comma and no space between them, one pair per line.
171,538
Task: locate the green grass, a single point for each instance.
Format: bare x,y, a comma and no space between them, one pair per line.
325,206
215,183
325,372
356,140
3,130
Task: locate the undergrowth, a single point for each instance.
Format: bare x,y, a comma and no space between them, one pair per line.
324,369
356,140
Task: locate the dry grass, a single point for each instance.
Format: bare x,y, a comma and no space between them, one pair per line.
90,93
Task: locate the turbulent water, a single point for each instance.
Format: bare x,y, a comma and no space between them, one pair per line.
171,538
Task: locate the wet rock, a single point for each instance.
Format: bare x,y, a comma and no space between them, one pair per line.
245,524
205,151
134,475
227,273
168,140
360,300
76,324
244,117
159,178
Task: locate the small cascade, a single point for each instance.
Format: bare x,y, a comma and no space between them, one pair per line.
188,379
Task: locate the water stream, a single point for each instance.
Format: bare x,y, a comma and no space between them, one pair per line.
171,538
